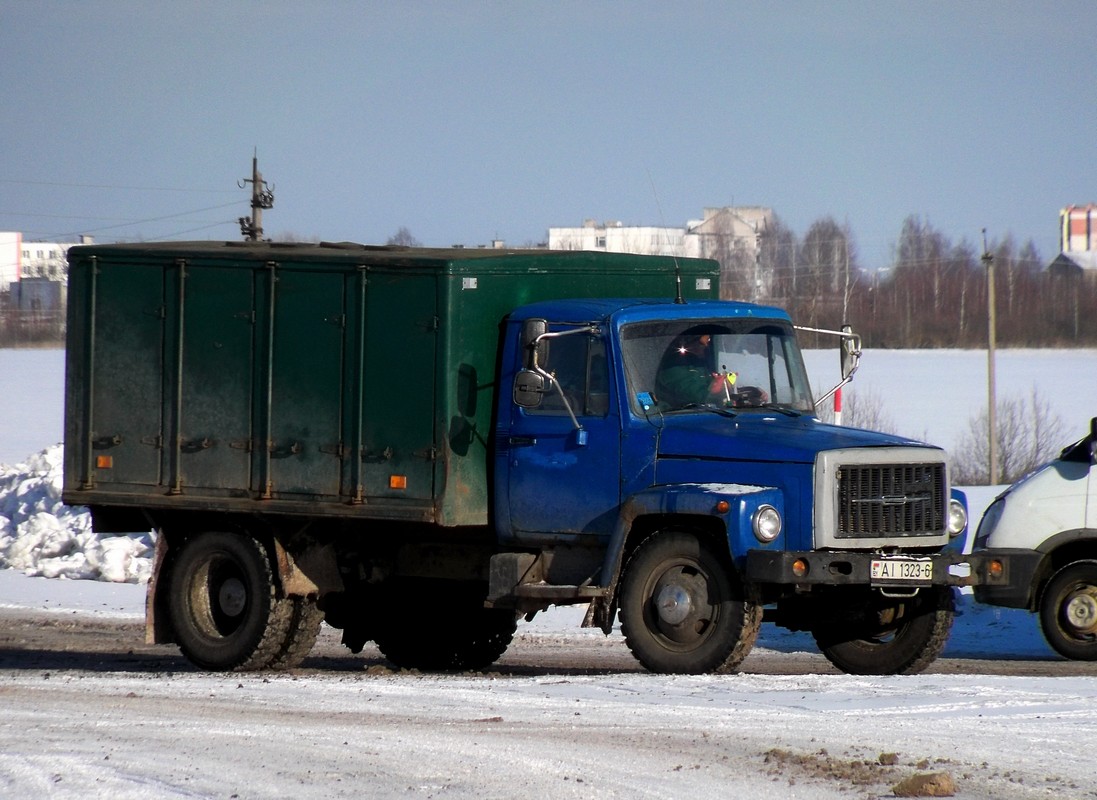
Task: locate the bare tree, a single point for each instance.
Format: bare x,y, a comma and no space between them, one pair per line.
1028,435
403,238
863,408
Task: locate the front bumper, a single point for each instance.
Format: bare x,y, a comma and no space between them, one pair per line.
1026,567
845,568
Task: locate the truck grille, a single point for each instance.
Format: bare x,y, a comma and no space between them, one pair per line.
877,500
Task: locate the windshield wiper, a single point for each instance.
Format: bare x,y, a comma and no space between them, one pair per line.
780,409
723,412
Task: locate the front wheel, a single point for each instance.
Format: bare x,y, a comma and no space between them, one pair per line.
893,637
684,609
223,605
1068,611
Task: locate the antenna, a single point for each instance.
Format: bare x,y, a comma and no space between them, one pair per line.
678,299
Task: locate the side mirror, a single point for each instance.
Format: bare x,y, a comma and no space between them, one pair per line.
1093,441
529,388
849,351
536,351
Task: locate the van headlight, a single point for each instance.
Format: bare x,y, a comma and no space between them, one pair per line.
766,523
957,518
989,522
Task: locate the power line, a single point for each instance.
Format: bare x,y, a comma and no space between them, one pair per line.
109,186
172,235
150,219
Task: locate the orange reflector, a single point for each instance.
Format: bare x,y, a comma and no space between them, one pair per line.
722,507
996,568
398,481
799,568
104,462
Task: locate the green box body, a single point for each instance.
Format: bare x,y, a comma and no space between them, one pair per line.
318,380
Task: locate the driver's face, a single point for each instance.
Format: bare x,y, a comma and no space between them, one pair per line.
696,344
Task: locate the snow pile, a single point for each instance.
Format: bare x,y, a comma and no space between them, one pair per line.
43,537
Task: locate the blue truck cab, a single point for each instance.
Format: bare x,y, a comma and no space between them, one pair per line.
664,461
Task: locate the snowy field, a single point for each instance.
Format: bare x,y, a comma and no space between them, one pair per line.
610,735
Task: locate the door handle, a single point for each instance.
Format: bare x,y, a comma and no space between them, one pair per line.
522,441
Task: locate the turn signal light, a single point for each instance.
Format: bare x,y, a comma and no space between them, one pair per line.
723,507
996,569
799,568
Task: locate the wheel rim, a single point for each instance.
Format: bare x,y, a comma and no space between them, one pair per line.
220,597
680,613
1079,611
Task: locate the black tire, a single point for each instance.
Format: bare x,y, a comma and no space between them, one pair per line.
1068,611
223,606
684,609
903,637
435,629
304,627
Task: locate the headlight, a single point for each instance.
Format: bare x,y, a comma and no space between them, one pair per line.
957,518
766,523
989,522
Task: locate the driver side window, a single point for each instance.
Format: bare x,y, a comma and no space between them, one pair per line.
578,363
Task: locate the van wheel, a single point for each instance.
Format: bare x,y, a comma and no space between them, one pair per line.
1068,611
223,605
897,637
684,609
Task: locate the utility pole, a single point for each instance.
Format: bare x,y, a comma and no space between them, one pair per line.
262,197
992,416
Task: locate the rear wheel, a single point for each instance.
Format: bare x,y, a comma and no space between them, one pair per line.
684,609
304,627
1068,611
223,605
894,637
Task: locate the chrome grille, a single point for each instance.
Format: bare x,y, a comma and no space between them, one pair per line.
877,500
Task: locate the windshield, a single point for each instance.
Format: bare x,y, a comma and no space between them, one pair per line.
738,364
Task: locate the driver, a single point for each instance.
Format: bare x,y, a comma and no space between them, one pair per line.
686,373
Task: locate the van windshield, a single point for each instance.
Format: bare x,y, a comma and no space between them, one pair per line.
740,364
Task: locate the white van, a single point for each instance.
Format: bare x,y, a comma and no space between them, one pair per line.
1047,523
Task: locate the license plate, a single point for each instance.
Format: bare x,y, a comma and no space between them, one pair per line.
902,570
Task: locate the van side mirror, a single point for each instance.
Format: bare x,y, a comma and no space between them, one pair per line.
529,388
536,351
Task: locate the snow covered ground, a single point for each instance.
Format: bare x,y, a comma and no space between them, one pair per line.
135,735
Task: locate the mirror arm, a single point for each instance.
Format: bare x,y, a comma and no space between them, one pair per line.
592,330
851,342
830,394
567,406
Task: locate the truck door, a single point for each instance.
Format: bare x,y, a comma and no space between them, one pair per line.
398,448
126,393
306,384
216,377
558,481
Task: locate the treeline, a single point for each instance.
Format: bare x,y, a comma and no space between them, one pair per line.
31,328
933,295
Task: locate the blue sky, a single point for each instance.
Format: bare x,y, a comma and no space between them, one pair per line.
470,121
